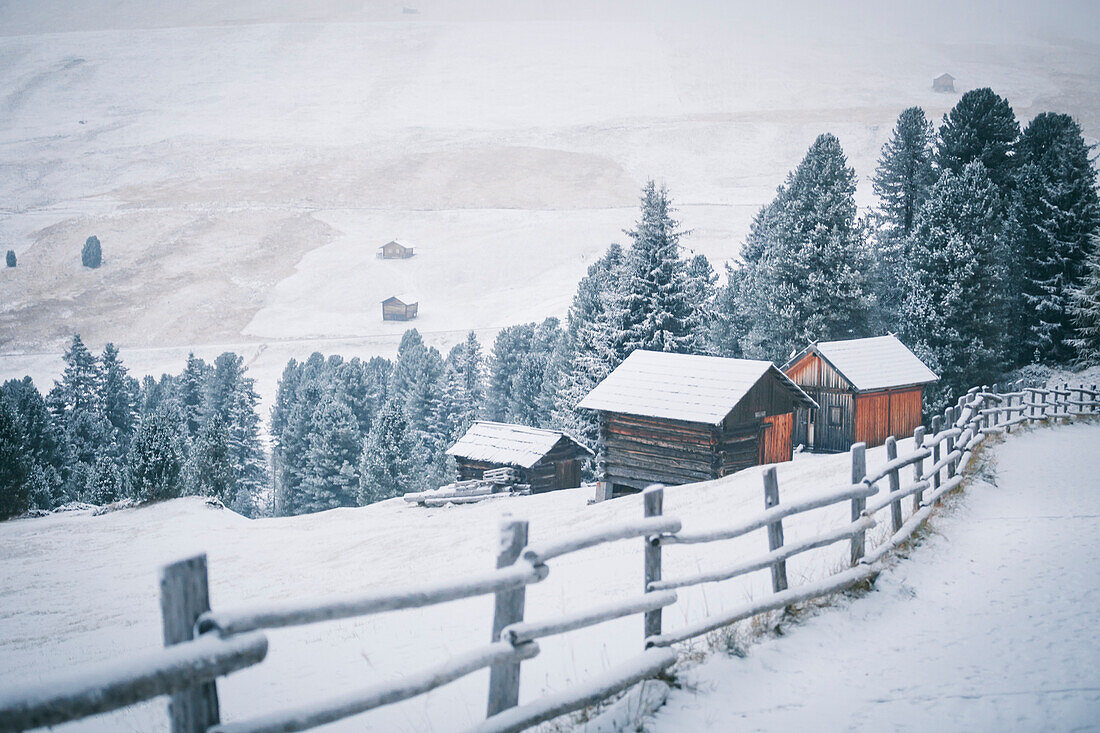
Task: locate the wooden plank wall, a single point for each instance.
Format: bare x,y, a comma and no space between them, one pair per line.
906,411
890,412
638,451
777,438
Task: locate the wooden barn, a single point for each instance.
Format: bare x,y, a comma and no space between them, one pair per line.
398,309
545,459
395,250
943,83
678,418
866,389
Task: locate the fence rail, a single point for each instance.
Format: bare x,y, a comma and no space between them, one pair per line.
202,645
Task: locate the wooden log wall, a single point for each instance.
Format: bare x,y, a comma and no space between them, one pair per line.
638,451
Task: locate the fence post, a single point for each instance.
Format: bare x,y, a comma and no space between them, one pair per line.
937,426
859,471
654,498
507,609
184,596
895,482
918,467
1095,405
951,416
775,529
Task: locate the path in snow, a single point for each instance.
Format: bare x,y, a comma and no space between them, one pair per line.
991,624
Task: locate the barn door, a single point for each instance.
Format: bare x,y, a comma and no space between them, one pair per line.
568,474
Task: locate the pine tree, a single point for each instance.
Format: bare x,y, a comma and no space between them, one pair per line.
332,459
659,314
81,380
904,176
92,254
806,260
1085,311
120,396
471,365
519,368
209,467
15,463
77,403
105,482
191,393
10,257
982,127
156,457
1056,212
702,293
730,322
950,316
392,461
231,395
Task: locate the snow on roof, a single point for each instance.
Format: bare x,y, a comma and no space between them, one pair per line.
405,298
880,362
400,242
514,445
701,389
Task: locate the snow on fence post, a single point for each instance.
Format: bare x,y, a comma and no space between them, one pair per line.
859,471
937,426
184,596
1095,402
918,467
775,529
507,609
654,507
895,482
951,416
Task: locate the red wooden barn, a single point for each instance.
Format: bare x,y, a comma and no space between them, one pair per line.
679,418
866,389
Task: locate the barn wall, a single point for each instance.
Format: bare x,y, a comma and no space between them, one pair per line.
777,438
829,436
469,470
811,370
768,396
638,451
560,468
906,408
872,418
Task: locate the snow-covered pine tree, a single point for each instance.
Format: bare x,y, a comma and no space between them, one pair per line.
730,322
702,283
472,367
658,312
91,255
77,403
950,316
209,469
1084,309
904,176
983,127
1055,214
519,367
44,440
120,396
806,262
231,395
191,393
155,464
15,463
393,458
105,482
331,477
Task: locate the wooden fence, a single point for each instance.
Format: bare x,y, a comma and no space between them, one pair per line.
202,644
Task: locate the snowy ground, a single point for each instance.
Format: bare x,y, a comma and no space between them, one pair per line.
992,624
241,161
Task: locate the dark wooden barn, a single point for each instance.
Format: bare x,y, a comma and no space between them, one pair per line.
866,389
395,250
678,418
943,83
545,459
397,309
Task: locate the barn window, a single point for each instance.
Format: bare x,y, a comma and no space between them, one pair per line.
834,417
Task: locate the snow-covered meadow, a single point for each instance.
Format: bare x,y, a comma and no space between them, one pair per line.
94,594
242,161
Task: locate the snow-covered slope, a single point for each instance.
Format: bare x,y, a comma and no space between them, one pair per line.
76,588
241,161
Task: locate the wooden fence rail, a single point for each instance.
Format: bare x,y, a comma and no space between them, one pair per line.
202,645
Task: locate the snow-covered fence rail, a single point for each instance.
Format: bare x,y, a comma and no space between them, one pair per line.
203,644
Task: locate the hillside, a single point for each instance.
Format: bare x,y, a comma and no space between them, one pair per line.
241,162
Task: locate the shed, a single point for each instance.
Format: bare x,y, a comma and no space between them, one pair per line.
867,389
545,459
398,308
395,249
943,83
680,418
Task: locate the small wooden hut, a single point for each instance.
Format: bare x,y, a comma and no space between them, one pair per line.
943,83
866,389
395,250
679,418
545,459
398,309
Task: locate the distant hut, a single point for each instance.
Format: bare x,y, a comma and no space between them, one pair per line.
398,308
678,418
943,83
395,250
866,389
545,459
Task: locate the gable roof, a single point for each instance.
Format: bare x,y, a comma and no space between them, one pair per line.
880,362
513,445
398,242
403,299
701,389
941,77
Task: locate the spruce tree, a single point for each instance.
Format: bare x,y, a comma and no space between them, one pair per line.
155,464
332,459
982,127
191,393
1085,311
730,322
105,482
209,467
77,403
659,314
393,458
120,396
950,316
15,463
92,254
232,396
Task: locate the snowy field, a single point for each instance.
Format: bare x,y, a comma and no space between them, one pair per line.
242,161
78,588
989,625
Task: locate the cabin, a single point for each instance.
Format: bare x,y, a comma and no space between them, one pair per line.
545,459
866,390
943,83
678,418
398,309
395,250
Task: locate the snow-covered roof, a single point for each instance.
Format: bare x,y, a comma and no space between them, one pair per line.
513,445
406,298
400,242
686,387
880,362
